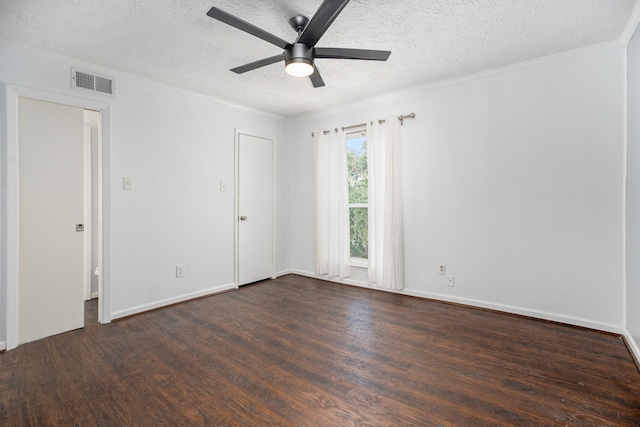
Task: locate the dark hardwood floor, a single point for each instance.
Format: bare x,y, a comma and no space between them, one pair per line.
302,352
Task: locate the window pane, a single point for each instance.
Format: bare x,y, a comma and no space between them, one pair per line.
357,169
358,223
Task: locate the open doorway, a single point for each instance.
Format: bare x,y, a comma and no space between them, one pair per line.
12,276
58,216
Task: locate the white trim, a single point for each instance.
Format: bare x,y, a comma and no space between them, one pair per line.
274,207
346,281
625,187
632,24
105,292
100,69
411,90
630,30
104,206
623,41
3,345
359,262
11,222
236,209
181,298
283,273
11,277
88,205
633,345
538,314
236,205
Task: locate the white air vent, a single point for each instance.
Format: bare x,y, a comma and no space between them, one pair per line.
91,81
104,85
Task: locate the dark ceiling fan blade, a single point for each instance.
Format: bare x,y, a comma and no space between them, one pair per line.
324,17
316,79
223,16
338,53
257,64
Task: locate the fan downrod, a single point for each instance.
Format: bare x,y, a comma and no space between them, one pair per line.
299,23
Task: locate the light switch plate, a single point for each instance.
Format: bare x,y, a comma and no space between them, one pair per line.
179,271
127,183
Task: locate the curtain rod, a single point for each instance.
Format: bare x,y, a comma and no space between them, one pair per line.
381,121
324,132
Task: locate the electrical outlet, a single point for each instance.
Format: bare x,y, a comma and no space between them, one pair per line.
179,271
451,281
223,186
442,269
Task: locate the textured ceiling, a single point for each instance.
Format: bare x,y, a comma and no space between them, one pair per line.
175,42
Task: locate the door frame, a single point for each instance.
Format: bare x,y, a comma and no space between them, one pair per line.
87,205
89,198
236,210
11,225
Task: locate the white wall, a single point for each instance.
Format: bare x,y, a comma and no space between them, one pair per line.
177,146
633,189
513,179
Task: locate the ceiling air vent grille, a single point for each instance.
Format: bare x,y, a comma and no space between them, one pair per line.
84,80
104,85
91,81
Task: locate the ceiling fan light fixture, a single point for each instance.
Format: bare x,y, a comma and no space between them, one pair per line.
299,67
298,59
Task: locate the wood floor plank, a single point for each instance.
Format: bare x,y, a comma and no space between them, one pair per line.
302,352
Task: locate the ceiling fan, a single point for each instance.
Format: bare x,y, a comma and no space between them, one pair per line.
299,56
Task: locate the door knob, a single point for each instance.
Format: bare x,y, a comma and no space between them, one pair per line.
243,218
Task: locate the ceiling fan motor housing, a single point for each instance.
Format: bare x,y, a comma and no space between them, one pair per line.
298,53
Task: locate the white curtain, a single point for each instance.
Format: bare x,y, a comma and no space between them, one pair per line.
332,204
385,205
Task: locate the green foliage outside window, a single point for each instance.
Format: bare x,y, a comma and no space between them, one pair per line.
358,223
358,194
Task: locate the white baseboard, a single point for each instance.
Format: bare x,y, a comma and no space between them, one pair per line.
543,315
347,281
94,295
538,314
283,273
633,346
3,345
169,301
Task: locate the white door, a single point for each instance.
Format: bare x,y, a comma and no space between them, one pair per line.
255,209
51,252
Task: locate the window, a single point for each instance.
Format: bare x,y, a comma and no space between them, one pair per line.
358,219
358,184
